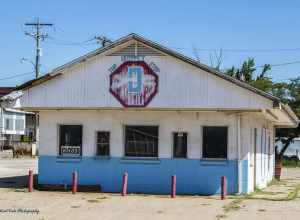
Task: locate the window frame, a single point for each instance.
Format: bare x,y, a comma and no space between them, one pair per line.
23,124
227,142
58,140
139,157
12,120
96,143
173,144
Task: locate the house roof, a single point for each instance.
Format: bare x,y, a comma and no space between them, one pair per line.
57,71
5,90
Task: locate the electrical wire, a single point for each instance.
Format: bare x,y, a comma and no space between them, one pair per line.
16,76
266,50
68,43
281,64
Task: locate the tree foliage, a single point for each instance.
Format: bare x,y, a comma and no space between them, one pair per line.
288,92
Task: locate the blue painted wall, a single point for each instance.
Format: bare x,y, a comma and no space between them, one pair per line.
244,180
193,176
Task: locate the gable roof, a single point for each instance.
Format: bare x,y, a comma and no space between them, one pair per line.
57,71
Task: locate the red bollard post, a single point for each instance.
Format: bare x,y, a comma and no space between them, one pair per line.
124,184
223,187
173,190
74,182
30,181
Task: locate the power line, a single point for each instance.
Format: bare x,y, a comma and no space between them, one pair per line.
281,64
265,50
68,43
16,76
276,65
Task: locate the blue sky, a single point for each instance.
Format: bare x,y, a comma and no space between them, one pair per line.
180,25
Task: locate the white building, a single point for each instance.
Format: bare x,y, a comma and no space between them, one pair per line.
12,121
139,107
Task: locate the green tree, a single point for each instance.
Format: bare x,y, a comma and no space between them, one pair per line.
288,92
248,74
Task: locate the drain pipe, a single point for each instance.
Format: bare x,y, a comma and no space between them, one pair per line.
238,142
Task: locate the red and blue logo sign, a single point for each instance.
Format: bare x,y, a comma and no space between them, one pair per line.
133,84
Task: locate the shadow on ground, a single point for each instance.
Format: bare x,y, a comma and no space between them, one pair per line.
15,182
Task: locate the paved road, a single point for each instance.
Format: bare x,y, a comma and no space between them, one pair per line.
13,172
17,167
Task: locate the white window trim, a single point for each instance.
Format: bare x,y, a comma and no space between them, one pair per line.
58,136
202,139
187,144
109,143
124,142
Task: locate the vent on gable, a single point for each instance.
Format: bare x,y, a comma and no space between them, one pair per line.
136,49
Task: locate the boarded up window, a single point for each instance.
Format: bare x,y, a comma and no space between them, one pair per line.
70,140
179,145
215,142
103,143
141,141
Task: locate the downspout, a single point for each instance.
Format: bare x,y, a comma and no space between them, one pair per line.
238,142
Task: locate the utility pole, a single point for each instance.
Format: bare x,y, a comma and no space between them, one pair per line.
37,36
102,40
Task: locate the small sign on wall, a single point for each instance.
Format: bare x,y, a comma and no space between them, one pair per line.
70,151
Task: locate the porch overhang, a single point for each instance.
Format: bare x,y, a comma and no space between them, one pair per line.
282,116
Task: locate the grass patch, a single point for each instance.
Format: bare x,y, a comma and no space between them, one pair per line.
269,193
221,216
293,194
233,205
21,190
93,200
291,163
262,210
275,182
75,206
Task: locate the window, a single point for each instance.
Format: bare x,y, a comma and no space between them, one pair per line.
70,140
179,144
19,124
102,143
215,142
141,141
9,124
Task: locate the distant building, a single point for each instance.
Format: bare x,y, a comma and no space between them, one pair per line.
16,126
138,107
293,149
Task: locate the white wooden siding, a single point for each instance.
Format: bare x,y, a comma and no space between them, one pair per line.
168,123
181,85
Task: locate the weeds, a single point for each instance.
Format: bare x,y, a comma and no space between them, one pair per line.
293,194
233,205
102,197
221,216
93,200
20,190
